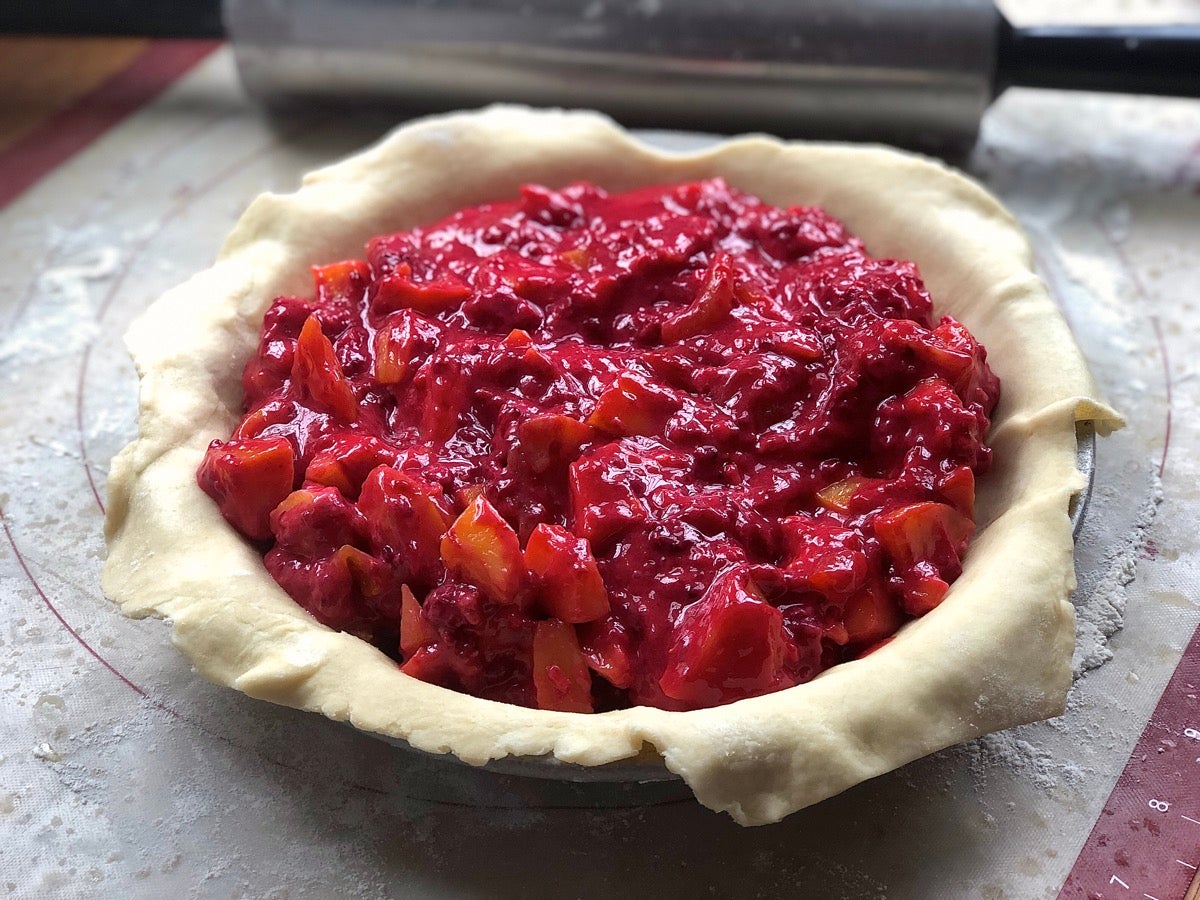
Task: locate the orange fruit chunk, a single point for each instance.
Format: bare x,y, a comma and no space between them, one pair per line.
483,550
560,670
570,586
317,372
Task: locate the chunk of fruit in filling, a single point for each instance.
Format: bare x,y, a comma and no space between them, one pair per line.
675,447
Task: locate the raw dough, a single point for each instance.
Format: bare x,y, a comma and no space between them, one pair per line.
996,653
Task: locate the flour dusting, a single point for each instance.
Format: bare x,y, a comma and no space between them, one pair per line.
99,264
1008,749
67,304
1100,606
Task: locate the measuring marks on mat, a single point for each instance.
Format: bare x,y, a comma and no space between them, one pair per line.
1146,843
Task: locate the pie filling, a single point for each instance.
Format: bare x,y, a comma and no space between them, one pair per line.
674,447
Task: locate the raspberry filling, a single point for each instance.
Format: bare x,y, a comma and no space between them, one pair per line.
674,447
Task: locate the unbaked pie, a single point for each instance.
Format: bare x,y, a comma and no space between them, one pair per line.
601,447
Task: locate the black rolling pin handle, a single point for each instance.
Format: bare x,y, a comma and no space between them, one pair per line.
1144,59
113,18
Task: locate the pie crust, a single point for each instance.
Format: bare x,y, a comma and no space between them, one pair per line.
995,654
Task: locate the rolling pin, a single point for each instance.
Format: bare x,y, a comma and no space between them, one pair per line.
912,72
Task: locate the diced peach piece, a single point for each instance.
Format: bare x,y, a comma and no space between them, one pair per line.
346,462
958,488
248,478
392,357
537,363
925,541
570,585
840,570
870,615
634,405
921,595
601,507
837,496
919,531
518,337
399,340
946,350
370,575
330,472
430,663
316,370
548,442
341,283
606,646
950,363
578,258
399,291
830,557
293,501
837,634
273,412
406,518
483,550
465,496
711,305
560,670
445,399
415,632
728,645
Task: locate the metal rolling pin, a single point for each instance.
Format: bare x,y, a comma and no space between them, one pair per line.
913,72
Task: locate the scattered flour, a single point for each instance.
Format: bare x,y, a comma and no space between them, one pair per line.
1100,602
67,307
1100,612
70,280
1008,749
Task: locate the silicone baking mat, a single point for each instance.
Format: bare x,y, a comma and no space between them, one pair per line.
121,770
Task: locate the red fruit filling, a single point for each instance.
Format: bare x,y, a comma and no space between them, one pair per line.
675,447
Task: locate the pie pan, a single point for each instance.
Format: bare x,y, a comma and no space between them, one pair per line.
994,654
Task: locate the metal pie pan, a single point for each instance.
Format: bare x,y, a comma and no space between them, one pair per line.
642,779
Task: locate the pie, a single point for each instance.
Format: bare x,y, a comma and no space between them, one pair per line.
602,449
